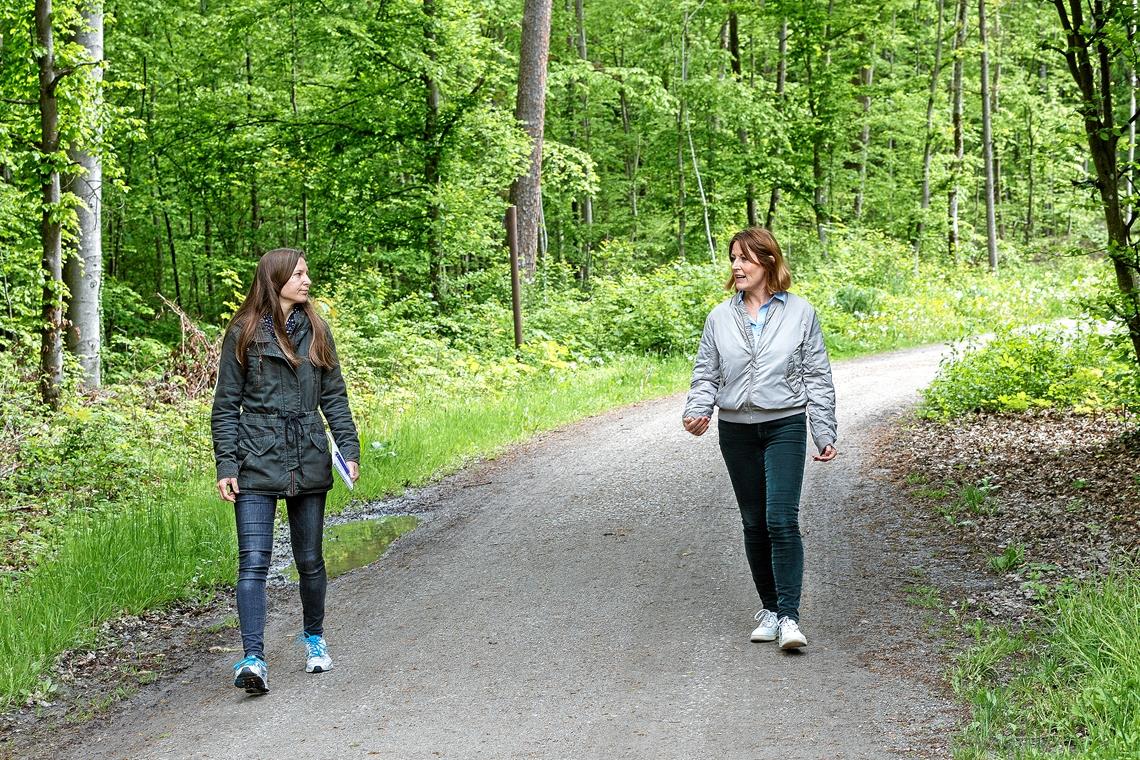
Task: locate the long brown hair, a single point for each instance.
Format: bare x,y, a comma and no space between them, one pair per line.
759,246
274,269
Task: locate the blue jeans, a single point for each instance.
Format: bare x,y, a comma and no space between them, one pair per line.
255,514
766,465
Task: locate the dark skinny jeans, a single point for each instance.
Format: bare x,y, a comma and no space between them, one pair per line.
766,465
255,514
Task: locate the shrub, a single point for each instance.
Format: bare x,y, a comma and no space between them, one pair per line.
1033,369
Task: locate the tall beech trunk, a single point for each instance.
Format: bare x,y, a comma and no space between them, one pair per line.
1090,63
866,79
587,199
928,138
987,142
432,159
953,238
51,334
781,79
83,269
742,133
254,198
530,109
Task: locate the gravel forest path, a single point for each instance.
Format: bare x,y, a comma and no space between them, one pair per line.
585,595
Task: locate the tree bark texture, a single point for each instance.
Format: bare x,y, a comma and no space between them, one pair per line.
987,142
587,199
928,138
51,335
742,133
781,79
1090,64
530,110
432,159
82,270
953,237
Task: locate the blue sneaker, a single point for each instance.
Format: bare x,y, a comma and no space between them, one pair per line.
318,660
252,674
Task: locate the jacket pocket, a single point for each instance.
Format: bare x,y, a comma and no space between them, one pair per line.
794,372
261,463
256,446
320,440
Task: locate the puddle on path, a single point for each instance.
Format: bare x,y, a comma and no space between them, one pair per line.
358,543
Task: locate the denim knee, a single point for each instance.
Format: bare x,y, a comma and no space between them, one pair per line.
253,565
309,563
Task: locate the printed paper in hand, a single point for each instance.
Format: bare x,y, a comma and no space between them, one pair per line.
339,464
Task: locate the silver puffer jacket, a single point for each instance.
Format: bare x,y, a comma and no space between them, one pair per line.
785,372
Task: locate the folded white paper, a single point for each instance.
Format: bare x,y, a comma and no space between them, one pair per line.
339,464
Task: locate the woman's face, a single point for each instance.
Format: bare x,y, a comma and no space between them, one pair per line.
296,288
748,274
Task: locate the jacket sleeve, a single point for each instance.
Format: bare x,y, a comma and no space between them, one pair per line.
820,389
227,407
334,404
706,376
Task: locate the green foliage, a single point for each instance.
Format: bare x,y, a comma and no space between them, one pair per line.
1013,556
1033,369
1072,691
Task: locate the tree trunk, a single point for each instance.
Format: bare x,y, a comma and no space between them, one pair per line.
254,199
587,200
1132,171
866,79
1095,83
742,133
781,78
83,269
995,109
987,142
530,109
681,178
304,220
432,158
928,138
51,343
953,239
631,160
689,134
1029,176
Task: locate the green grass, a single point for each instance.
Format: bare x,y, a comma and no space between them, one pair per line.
1068,690
432,438
180,541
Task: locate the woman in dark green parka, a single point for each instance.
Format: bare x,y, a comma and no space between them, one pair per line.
277,372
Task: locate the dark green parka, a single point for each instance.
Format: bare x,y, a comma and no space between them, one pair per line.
266,426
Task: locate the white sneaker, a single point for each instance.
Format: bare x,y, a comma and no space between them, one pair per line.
769,627
790,635
317,660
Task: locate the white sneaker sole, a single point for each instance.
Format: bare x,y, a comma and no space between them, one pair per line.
793,643
318,667
763,636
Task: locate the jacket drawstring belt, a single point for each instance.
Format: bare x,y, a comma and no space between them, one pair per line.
294,431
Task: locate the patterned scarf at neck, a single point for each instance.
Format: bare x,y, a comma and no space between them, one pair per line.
290,323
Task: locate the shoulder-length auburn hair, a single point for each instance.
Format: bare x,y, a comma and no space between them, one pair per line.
759,246
274,269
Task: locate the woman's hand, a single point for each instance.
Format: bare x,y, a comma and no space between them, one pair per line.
827,454
696,425
353,471
228,489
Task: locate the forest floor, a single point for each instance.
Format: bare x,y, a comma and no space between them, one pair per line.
586,595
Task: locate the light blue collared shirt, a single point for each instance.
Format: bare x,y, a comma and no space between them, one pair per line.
758,325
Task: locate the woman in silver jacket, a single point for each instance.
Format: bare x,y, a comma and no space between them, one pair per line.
763,363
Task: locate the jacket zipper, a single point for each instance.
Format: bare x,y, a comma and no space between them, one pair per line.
756,348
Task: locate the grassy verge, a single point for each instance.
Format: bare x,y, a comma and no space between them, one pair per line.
180,540
1070,689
